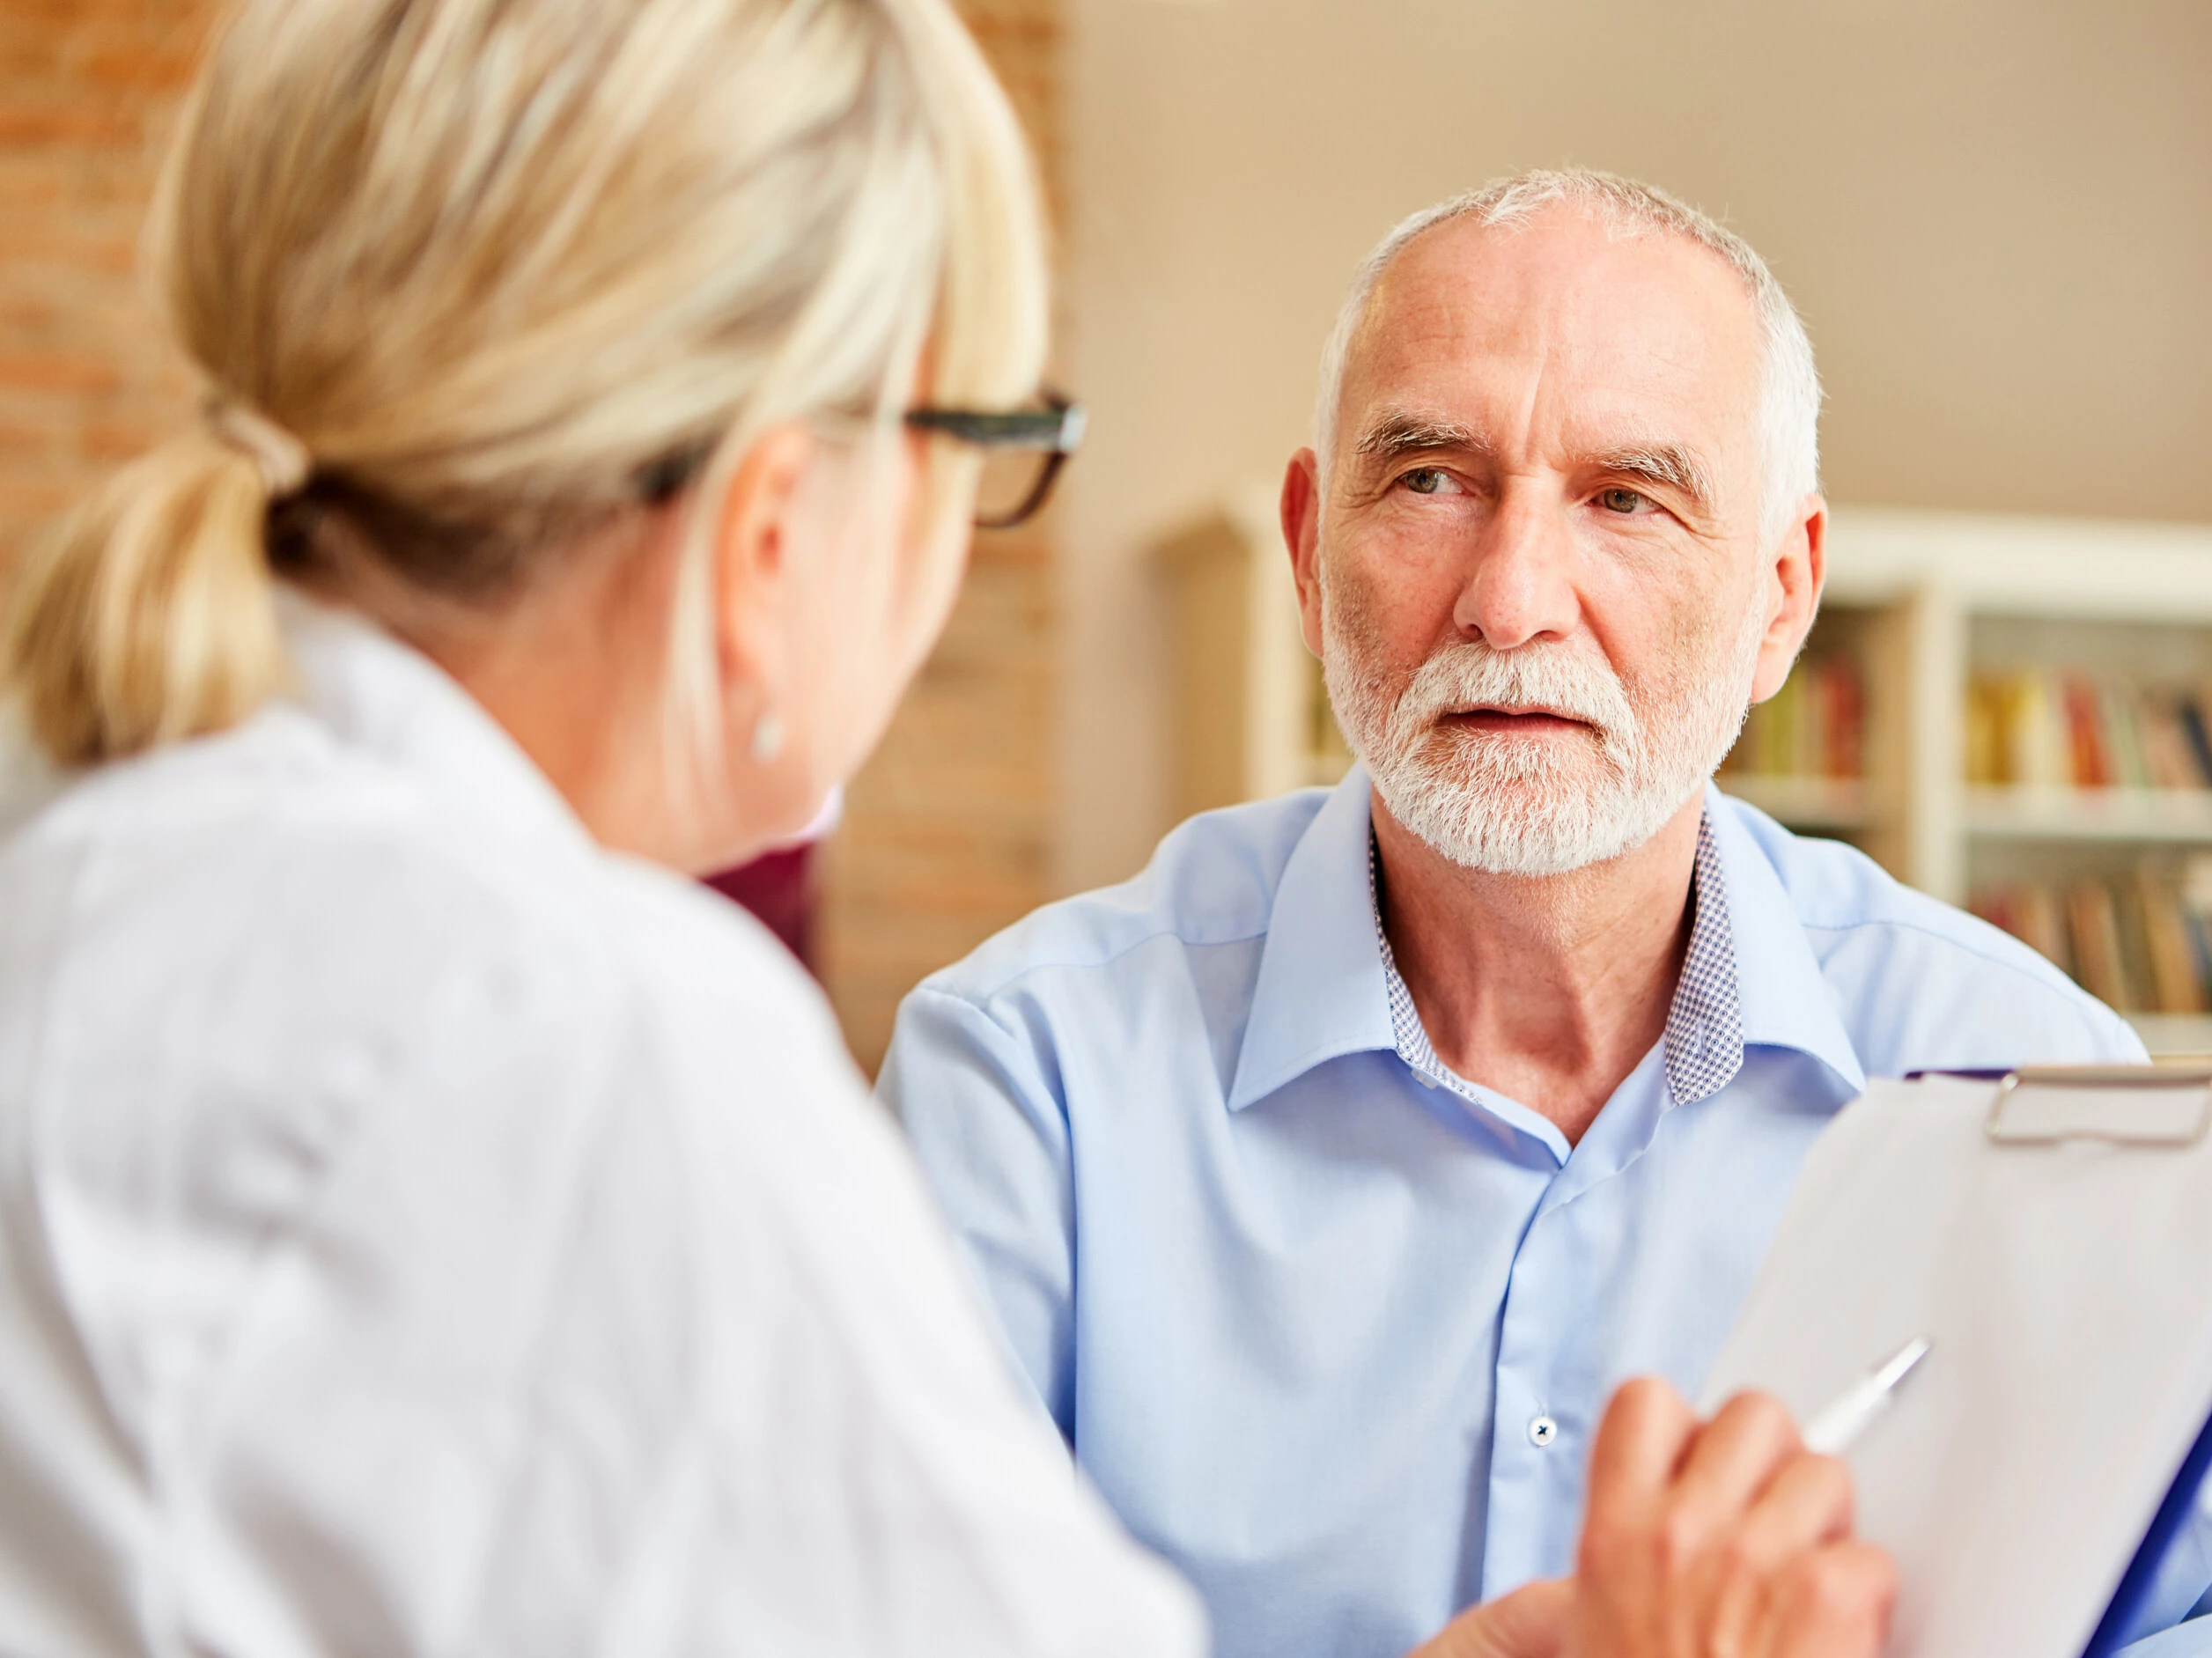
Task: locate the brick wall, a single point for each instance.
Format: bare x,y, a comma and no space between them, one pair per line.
87,89
947,833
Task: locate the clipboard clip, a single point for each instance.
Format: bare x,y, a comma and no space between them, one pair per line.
2167,1107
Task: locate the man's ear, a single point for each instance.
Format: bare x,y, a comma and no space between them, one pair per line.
754,527
1299,509
1794,576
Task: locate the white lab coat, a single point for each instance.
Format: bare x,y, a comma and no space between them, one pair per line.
422,1232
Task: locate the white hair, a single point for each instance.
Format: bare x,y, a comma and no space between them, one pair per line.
1789,393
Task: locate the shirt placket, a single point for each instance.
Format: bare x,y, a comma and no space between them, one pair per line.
1541,1421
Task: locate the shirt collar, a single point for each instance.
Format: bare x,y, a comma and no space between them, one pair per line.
1704,1037
1319,992
379,696
1325,975
1786,1000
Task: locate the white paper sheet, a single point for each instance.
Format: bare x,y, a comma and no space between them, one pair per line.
2067,1291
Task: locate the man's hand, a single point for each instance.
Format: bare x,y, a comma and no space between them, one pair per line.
1723,1539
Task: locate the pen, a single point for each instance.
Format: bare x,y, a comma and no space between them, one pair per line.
1831,1433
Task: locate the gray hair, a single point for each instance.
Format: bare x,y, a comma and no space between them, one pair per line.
1790,391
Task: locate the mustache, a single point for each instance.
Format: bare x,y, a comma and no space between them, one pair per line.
1468,673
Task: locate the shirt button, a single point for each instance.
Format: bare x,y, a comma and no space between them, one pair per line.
1543,1431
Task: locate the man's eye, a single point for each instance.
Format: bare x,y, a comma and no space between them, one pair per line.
1621,501
1425,480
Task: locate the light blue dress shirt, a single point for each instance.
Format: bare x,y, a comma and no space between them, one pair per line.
1331,1326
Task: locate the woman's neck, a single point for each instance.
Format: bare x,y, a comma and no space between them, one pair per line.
573,666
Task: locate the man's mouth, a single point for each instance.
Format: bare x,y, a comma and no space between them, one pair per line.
1517,722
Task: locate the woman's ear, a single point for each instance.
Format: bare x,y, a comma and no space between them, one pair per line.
755,526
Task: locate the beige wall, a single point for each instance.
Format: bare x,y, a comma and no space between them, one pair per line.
1996,216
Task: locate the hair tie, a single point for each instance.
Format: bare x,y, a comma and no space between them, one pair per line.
283,459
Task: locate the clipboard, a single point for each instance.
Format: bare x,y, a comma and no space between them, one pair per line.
2127,1084
2044,1231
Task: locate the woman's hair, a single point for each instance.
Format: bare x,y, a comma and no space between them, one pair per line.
466,277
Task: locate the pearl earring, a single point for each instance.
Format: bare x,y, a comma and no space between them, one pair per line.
768,738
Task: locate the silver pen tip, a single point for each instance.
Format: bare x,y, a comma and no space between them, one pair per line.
1900,1365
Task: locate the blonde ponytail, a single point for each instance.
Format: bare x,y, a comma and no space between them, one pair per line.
499,264
149,615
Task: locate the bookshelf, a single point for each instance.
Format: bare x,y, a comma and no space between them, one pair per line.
1925,614
2174,817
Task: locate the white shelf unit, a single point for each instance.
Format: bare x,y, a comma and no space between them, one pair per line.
1921,598
2179,817
1937,592
1250,718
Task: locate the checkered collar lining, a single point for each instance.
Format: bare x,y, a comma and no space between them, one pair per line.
1704,1039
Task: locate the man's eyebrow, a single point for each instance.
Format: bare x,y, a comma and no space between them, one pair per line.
1400,433
1667,464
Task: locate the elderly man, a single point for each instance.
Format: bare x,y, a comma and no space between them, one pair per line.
1329,1176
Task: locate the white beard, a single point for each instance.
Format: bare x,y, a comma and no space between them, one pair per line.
1537,806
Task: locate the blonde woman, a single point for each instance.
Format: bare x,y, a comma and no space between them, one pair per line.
427,1223
431,1226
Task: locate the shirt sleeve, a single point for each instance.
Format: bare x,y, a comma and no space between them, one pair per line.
991,1136
2181,1595
2192,1639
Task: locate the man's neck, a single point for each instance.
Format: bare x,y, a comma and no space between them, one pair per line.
1549,989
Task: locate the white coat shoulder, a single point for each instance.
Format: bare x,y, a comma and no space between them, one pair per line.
426,1231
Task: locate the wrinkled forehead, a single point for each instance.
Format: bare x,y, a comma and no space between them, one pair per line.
1558,332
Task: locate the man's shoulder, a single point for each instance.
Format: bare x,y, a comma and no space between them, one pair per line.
1916,977
1837,889
1212,880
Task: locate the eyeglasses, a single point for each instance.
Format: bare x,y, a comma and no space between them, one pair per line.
1023,450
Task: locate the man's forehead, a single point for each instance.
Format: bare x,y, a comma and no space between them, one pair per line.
1599,327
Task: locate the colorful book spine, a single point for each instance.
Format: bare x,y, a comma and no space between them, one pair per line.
2075,730
2140,941
1815,726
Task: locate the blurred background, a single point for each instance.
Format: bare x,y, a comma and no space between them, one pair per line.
1996,218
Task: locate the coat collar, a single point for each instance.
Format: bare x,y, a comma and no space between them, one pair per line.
377,695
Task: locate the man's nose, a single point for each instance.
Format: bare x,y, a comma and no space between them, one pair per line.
1519,584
